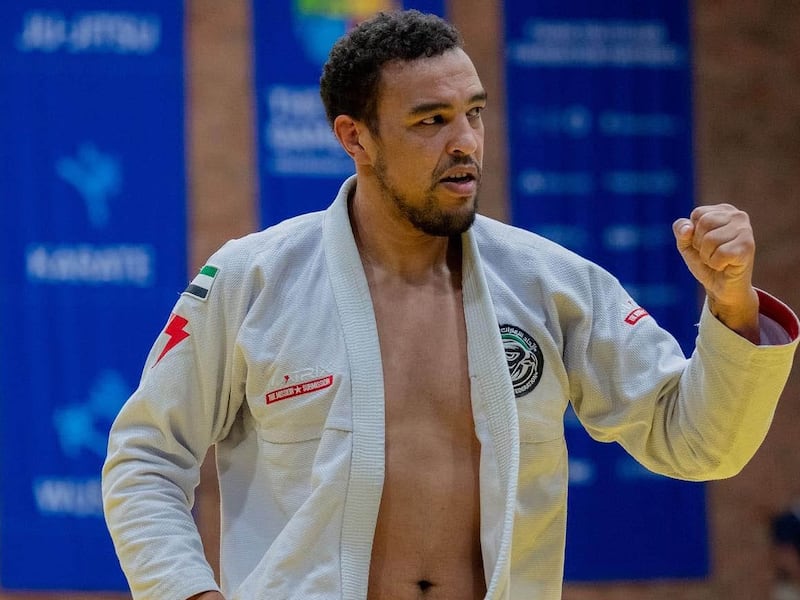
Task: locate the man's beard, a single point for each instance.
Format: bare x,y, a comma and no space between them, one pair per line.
429,217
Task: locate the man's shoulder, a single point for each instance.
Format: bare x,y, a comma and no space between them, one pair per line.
273,241
292,242
498,237
510,254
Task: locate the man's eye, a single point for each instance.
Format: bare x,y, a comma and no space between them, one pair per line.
475,112
434,120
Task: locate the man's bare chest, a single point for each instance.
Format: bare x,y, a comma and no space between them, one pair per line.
423,349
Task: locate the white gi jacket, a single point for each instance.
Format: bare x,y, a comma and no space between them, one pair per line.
272,355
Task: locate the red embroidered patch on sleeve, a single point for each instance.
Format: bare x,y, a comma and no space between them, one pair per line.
636,315
176,332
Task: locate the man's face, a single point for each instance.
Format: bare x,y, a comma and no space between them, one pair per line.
428,149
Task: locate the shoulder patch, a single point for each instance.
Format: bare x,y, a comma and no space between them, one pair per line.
201,285
175,332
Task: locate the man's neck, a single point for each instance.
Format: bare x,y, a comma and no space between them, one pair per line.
390,245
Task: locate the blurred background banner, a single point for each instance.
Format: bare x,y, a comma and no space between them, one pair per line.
300,163
92,190
600,148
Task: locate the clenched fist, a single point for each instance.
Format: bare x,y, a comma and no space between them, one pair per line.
717,244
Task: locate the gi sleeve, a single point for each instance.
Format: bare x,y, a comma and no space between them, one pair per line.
189,394
697,419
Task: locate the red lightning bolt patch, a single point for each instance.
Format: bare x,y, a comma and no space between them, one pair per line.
176,333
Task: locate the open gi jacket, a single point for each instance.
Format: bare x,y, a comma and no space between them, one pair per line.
272,355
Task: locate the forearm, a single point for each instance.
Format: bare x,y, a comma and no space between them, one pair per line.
147,504
741,317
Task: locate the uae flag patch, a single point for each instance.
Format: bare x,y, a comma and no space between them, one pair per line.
200,287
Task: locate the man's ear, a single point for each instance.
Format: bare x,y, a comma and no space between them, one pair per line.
351,134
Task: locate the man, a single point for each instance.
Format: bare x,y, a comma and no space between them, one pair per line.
385,382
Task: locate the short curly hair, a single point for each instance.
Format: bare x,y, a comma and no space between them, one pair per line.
351,76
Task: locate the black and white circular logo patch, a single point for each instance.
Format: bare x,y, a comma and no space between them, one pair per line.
524,357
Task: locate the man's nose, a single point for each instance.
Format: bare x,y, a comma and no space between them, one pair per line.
466,137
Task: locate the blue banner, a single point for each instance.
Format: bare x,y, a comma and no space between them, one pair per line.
600,133
300,162
92,189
